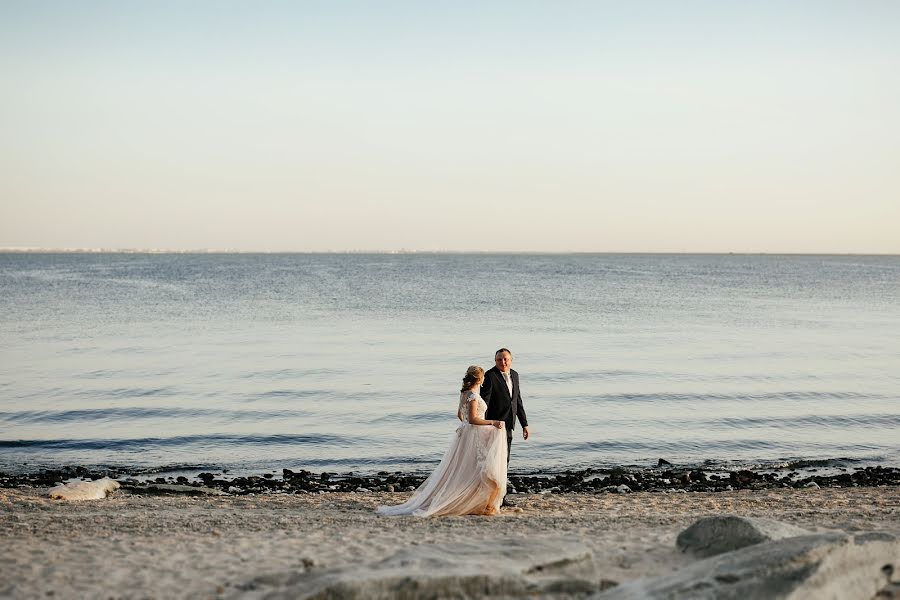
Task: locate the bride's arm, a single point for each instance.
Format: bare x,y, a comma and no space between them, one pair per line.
473,417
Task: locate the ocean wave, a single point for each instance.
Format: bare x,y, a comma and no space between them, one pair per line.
792,463
798,395
363,462
173,468
565,377
183,441
427,417
135,372
331,395
693,447
123,392
590,375
269,374
288,394
701,423
138,413
802,421
805,463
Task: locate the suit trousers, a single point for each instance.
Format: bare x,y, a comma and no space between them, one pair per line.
509,435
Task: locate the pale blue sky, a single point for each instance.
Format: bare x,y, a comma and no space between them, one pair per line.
546,126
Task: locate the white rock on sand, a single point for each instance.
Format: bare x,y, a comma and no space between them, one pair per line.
84,490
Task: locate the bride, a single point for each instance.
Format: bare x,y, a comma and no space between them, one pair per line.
471,479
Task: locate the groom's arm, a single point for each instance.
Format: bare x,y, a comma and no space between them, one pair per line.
520,411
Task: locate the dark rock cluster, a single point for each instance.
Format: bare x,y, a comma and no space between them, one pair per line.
306,482
618,480
696,480
52,477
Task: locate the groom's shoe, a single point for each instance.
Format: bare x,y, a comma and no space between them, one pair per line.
508,503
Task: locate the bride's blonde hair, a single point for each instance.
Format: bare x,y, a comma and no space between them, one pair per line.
473,374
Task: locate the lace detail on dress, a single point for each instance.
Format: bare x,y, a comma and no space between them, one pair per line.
480,408
481,448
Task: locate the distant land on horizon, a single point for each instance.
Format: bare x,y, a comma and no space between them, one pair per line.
41,250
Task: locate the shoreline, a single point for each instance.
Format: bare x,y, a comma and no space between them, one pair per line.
278,545
665,478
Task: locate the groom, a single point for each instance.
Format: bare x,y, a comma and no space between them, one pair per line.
504,401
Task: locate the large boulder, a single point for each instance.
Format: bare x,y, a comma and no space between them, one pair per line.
506,568
724,533
811,567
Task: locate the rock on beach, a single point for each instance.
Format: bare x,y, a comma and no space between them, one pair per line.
718,534
84,490
808,567
506,567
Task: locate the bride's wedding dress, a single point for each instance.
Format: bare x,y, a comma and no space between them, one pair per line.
471,479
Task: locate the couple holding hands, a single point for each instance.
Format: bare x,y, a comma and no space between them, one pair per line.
471,479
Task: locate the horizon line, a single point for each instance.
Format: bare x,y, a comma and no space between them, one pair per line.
52,250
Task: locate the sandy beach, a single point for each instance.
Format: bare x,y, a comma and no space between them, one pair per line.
136,546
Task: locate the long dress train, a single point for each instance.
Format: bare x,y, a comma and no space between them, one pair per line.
471,479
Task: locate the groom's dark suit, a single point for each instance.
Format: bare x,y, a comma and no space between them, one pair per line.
500,405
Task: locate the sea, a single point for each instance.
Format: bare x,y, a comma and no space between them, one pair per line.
179,362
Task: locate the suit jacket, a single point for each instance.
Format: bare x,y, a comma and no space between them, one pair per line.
500,405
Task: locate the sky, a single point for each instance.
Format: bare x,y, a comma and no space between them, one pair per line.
646,126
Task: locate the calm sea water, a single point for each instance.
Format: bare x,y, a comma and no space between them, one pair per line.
353,362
